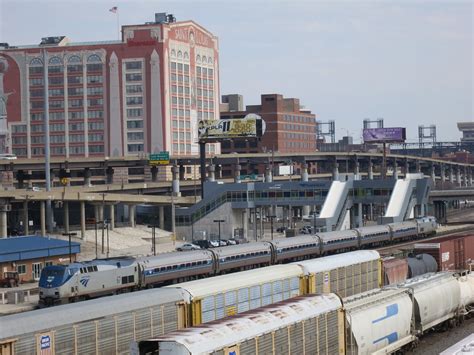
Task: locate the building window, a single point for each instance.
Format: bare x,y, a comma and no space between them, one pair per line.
56,80
96,137
56,92
96,149
94,58
94,67
36,93
57,127
133,65
36,70
75,91
76,115
19,129
77,68
75,103
36,82
94,79
134,100
133,89
77,150
21,269
57,139
133,77
134,124
37,151
37,104
76,138
135,136
135,148
76,126
95,102
95,91
56,104
94,126
56,115
134,112
19,140
74,79
19,151
95,114
55,69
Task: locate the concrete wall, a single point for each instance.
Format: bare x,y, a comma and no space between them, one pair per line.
233,219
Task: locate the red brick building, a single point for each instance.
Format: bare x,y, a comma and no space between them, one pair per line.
141,94
289,127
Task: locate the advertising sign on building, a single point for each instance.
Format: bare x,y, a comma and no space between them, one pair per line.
251,126
390,134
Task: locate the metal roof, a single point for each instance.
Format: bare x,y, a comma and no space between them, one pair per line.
32,247
219,334
49,318
335,261
224,283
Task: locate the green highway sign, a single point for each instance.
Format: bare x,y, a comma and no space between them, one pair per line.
161,158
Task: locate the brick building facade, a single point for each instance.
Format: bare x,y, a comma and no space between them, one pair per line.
138,95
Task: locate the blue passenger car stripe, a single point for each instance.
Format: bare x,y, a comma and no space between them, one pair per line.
392,310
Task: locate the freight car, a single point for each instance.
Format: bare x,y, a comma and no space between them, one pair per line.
304,325
80,281
381,321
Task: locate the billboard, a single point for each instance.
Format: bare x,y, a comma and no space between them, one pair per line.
391,134
251,126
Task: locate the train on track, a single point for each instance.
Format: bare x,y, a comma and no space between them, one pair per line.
85,280
381,321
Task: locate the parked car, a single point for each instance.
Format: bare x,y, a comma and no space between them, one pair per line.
188,246
221,243
232,241
204,244
214,243
306,230
281,229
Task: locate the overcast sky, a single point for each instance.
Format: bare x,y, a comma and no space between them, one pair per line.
410,62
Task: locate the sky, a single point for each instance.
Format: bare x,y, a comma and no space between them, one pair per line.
408,62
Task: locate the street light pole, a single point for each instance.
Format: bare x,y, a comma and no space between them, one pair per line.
70,246
219,221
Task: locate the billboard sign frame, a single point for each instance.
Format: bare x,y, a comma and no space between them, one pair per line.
384,135
251,126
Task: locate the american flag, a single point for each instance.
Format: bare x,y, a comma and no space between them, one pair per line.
114,9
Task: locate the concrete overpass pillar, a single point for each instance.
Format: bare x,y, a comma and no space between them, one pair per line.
218,171
3,224
109,172
43,218
131,215
458,176
418,166
335,172
238,167
395,169
87,177
154,173
407,167
182,172
83,219
211,173
25,218
470,177
268,173
304,177
245,223
112,216
162,217
20,177
433,174
442,170
356,169
175,172
451,174
371,170
466,184
66,216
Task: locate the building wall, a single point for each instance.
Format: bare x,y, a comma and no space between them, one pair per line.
140,95
27,265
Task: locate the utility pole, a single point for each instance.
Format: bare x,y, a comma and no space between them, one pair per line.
219,221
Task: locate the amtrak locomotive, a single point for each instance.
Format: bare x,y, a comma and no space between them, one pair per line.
85,280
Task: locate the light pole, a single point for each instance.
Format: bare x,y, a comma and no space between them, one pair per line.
219,221
314,221
70,247
153,235
271,225
103,221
